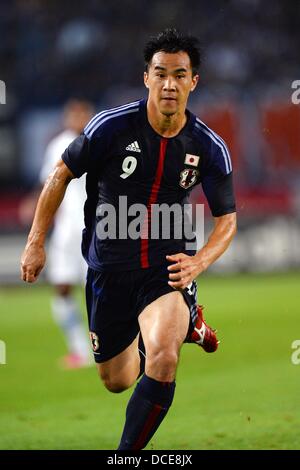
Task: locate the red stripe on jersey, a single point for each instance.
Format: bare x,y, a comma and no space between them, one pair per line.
153,415
152,200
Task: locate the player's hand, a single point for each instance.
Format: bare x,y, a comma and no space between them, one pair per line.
32,262
184,270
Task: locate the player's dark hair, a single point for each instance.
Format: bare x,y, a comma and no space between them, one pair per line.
171,41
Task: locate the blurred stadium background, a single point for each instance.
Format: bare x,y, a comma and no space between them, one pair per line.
50,51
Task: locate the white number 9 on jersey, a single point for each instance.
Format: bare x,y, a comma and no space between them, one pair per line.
128,166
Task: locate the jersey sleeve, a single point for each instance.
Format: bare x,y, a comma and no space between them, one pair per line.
88,152
217,180
76,156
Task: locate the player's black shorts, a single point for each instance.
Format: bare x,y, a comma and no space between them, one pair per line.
115,300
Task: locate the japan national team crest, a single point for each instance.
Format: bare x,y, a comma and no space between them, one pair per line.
188,177
95,341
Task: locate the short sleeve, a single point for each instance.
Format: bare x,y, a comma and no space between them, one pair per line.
217,180
76,156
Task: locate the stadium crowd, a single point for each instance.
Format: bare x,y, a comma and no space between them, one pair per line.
72,47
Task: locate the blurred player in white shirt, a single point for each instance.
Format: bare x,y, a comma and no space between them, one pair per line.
67,267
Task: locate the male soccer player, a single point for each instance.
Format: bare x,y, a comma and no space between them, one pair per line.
152,151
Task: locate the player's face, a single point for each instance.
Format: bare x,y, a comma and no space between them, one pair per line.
170,81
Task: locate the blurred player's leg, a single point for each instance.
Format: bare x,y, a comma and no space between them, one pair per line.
65,271
67,315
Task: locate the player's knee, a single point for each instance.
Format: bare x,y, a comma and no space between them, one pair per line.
114,384
162,364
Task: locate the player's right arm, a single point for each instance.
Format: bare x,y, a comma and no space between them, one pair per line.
33,257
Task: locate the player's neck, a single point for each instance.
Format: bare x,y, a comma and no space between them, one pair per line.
166,126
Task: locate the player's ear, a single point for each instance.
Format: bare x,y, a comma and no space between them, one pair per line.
146,79
195,80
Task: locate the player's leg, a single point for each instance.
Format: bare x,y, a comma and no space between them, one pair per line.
164,324
63,274
66,313
114,328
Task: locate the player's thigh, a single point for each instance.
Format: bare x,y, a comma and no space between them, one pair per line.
164,322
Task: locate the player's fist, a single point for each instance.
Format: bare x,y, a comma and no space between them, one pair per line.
32,262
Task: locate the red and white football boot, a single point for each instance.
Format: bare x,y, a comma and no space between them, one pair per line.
203,334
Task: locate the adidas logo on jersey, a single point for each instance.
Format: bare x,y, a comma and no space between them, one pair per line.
134,147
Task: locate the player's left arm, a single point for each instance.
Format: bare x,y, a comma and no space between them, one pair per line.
186,268
217,184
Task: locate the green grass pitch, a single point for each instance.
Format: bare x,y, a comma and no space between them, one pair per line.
245,396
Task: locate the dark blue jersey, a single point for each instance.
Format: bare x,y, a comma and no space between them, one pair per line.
129,164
